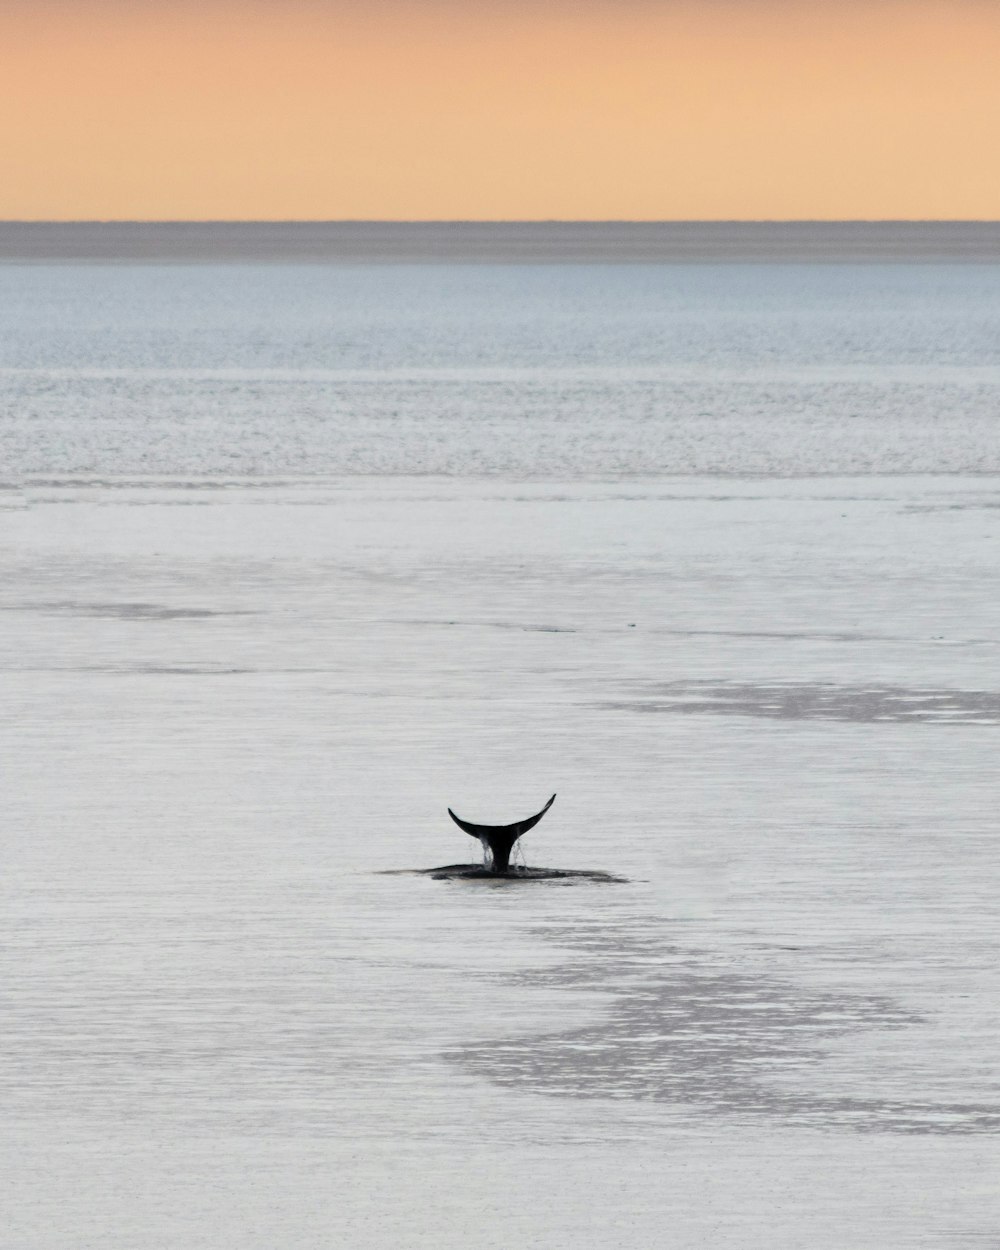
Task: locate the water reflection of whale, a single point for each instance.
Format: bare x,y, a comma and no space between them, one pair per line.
500,839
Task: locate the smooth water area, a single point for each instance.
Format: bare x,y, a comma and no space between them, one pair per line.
283,576
518,371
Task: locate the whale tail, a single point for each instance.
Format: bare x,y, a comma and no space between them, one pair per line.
500,838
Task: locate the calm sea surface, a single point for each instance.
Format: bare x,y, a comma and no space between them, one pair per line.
294,557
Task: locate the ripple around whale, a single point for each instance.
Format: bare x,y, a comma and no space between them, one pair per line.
475,872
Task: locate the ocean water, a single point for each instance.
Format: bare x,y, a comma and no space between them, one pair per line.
292,558
542,372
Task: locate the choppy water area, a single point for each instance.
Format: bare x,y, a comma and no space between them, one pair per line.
237,1008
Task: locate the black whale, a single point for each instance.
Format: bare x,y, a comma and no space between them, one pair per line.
501,838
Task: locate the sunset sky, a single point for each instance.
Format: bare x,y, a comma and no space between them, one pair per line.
499,109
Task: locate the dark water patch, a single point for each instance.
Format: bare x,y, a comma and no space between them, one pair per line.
739,1045
123,611
476,873
165,503
971,505
182,670
696,496
164,482
848,636
785,635
530,628
818,701
155,670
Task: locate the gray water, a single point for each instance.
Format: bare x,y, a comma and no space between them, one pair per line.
292,559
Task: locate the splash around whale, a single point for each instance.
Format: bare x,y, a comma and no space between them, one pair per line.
477,873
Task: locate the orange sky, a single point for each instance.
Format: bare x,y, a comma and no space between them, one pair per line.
715,109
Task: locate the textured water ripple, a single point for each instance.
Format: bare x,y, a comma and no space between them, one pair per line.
733,1044
785,700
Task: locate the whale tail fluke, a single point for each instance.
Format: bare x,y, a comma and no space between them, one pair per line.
500,838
